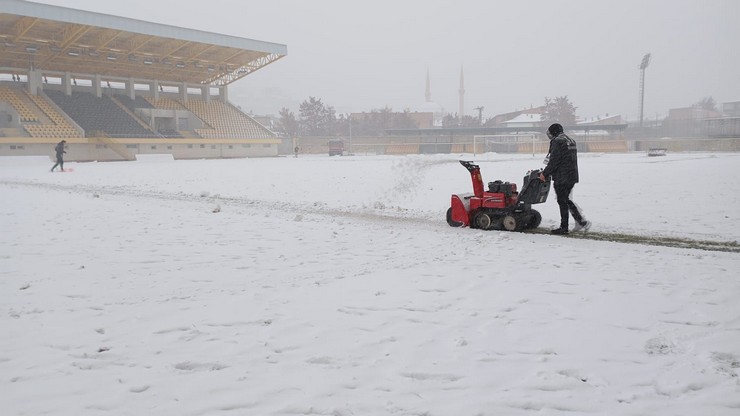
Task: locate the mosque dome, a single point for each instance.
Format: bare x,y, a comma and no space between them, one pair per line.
430,106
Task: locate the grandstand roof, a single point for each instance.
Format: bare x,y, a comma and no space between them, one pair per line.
53,38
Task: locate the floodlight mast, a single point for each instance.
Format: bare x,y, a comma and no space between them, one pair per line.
644,64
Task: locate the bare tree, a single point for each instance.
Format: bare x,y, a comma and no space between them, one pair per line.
450,120
377,121
315,118
288,123
707,103
453,120
559,110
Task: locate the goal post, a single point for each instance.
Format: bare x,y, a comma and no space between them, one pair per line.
491,142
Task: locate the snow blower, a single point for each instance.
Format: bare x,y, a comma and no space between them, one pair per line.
501,207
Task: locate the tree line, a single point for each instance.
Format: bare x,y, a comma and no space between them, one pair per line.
316,118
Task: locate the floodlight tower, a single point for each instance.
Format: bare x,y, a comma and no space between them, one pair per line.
644,64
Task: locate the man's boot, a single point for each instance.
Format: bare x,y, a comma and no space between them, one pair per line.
560,231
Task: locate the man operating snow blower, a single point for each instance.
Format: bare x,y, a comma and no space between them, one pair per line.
562,165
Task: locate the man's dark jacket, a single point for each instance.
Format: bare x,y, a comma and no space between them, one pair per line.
59,149
563,164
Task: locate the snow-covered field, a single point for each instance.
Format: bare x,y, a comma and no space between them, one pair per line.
333,286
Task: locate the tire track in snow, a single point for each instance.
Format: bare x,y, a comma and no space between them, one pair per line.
411,218
306,208
655,240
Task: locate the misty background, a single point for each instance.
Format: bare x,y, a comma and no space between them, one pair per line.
360,56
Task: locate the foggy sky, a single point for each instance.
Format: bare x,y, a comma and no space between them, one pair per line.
359,56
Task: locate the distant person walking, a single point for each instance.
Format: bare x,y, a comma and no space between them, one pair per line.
60,155
562,165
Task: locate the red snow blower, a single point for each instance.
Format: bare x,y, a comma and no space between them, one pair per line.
501,207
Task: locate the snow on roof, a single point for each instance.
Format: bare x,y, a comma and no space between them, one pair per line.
615,119
526,118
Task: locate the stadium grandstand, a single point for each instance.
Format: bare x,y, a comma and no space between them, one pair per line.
115,87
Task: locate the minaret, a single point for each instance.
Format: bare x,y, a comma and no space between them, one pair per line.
429,90
462,94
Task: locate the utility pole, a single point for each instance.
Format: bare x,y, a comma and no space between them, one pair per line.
644,64
480,115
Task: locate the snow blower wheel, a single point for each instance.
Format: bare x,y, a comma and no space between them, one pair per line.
509,223
482,221
535,220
